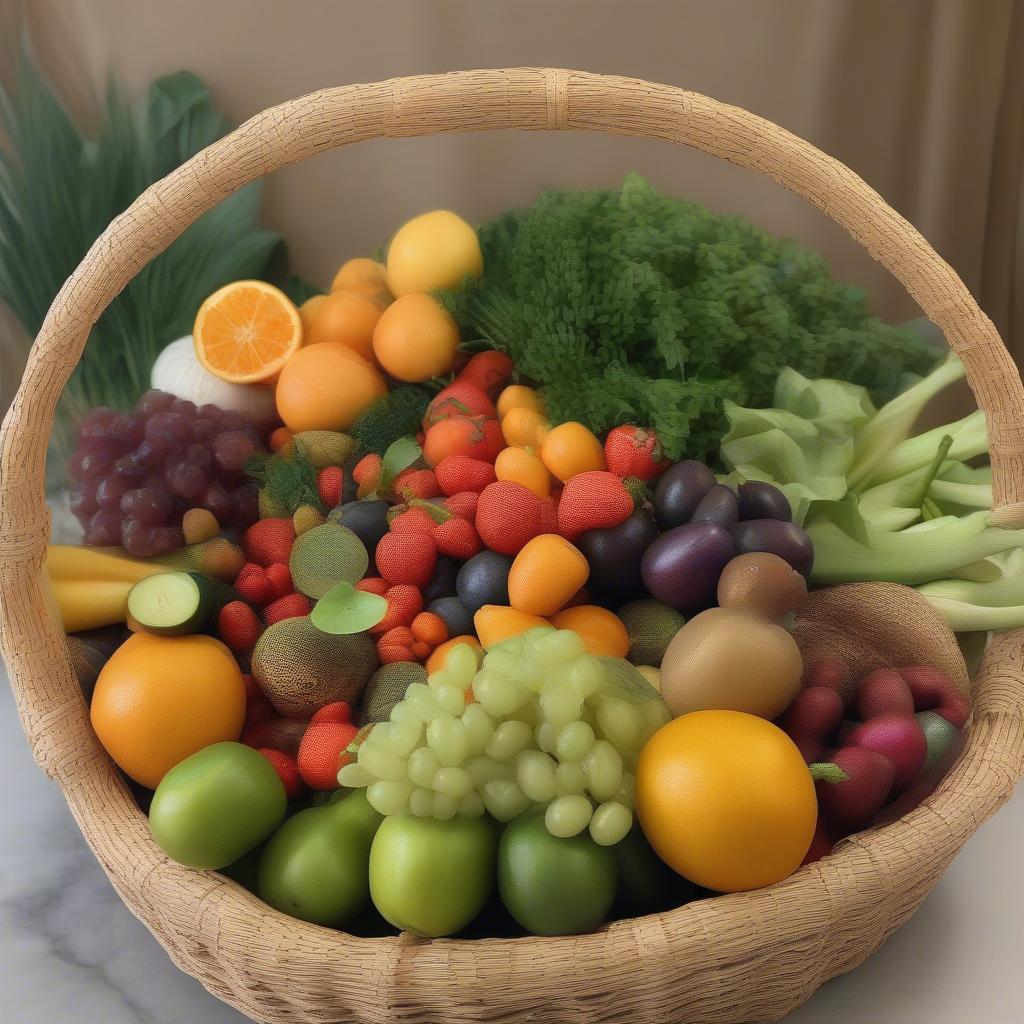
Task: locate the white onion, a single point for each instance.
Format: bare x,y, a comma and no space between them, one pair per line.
179,372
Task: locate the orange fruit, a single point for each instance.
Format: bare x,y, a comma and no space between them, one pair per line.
246,331
494,623
523,467
525,428
545,574
746,784
326,387
518,396
306,313
347,317
160,699
439,656
602,631
415,339
366,276
571,448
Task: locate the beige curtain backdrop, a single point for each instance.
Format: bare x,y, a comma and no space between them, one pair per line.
923,98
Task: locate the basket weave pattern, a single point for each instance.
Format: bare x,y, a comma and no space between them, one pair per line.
739,958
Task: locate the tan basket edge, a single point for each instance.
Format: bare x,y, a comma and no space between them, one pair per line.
737,958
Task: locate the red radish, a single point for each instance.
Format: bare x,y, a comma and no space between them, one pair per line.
935,691
898,737
850,805
829,672
813,720
883,692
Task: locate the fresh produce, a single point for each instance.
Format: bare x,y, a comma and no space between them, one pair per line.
326,387
217,805
160,699
136,474
554,886
431,877
347,317
435,250
650,626
177,603
744,780
501,761
545,574
365,276
601,631
322,748
415,339
316,865
569,449
629,322
177,371
632,451
615,556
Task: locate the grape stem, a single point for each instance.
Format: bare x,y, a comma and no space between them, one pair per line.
826,771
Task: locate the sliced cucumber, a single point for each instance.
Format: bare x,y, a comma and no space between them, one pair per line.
177,603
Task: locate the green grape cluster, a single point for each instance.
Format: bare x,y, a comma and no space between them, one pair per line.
549,725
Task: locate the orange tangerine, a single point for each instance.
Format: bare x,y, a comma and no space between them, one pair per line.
521,466
571,448
545,574
307,311
602,631
439,656
366,276
525,428
160,699
495,622
246,331
326,387
518,396
415,339
347,317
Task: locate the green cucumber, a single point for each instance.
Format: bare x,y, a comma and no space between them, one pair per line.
177,603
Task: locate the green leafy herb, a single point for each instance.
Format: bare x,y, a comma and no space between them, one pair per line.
343,610
288,481
397,414
630,306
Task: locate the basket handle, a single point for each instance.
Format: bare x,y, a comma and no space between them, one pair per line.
463,101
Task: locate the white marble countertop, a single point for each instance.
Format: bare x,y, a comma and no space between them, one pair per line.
70,953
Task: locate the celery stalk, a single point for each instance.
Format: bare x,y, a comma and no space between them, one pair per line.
965,495
891,425
961,616
928,551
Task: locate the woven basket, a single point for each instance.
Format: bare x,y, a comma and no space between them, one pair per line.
740,958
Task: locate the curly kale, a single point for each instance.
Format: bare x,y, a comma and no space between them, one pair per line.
630,306
395,415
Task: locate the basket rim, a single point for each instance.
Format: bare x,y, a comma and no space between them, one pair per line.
185,909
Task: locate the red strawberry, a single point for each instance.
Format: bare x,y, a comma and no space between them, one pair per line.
413,520
463,504
463,398
405,602
287,770
280,578
458,473
323,745
373,585
406,558
591,501
253,585
396,645
238,626
367,474
508,515
419,483
489,371
457,538
291,606
634,451
329,483
549,515
269,541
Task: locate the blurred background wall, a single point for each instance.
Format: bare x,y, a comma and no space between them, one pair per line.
923,98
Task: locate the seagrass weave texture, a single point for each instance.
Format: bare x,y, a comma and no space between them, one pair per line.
740,958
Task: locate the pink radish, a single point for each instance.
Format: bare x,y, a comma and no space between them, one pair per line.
883,692
813,719
849,806
900,738
828,672
935,691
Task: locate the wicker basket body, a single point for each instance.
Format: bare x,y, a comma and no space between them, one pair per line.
740,958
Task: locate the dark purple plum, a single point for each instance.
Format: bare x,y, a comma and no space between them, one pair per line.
679,492
483,580
682,566
787,540
615,554
368,520
442,583
760,500
718,506
456,615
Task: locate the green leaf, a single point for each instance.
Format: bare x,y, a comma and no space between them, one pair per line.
343,610
401,454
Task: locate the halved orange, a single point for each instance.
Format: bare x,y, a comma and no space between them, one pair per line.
246,331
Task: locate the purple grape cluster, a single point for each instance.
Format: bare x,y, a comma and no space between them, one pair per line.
136,474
